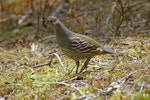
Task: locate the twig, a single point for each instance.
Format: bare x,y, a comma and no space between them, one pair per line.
57,56
136,23
40,65
71,79
117,84
33,47
6,19
24,17
141,88
35,97
59,59
59,8
70,70
59,83
45,38
145,31
32,71
122,80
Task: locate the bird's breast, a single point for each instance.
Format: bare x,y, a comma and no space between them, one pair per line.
63,41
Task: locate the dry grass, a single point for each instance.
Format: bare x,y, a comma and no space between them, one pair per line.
30,62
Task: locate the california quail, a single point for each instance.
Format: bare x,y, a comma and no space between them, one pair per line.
76,46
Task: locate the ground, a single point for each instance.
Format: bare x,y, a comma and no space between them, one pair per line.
33,67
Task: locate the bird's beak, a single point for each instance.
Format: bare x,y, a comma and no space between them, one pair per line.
44,21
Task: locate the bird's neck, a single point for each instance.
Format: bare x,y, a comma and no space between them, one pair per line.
62,35
62,31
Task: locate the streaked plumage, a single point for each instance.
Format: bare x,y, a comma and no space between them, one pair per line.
76,46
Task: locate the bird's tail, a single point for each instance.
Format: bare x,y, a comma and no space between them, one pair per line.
110,51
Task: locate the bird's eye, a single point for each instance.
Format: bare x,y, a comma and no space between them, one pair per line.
43,18
51,21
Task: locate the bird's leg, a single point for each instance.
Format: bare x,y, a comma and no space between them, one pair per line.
85,64
77,63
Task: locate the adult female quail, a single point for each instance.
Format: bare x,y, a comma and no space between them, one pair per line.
76,46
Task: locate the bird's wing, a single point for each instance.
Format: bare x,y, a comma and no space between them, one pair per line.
83,46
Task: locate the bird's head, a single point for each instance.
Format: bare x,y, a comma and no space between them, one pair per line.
50,20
